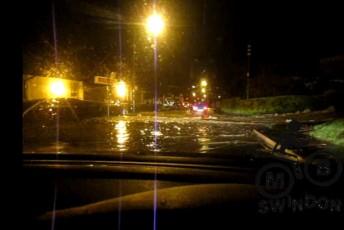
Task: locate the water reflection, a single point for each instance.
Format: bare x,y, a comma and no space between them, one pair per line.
203,139
122,135
156,133
134,135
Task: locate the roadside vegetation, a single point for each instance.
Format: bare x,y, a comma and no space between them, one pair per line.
332,132
270,105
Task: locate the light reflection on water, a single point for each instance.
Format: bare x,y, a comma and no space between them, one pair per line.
203,139
122,135
134,135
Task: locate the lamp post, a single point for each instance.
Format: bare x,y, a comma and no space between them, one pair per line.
248,73
155,25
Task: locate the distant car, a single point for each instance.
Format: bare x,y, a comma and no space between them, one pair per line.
200,107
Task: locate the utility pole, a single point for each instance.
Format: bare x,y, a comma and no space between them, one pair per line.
248,73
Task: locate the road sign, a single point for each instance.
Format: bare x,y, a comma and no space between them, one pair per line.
103,80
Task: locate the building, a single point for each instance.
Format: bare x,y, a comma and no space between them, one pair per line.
39,87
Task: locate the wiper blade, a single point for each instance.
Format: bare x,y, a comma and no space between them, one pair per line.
268,142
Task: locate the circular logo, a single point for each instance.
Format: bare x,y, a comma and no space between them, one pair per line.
323,169
274,180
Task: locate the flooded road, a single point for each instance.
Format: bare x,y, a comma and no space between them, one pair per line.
139,134
171,133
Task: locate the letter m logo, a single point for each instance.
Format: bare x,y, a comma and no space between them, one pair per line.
275,181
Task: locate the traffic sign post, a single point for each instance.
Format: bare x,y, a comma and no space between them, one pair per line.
104,80
108,81
108,100
121,87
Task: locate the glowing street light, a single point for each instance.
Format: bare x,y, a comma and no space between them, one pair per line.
121,89
203,90
193,94
155,24
57,89
204,83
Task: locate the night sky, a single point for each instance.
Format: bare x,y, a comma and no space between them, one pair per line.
209,35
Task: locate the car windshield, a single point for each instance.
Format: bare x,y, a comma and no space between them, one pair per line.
124,77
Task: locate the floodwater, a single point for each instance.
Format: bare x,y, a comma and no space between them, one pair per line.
139,134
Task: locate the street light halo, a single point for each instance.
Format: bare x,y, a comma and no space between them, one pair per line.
57,89
155,24
204,83
121,89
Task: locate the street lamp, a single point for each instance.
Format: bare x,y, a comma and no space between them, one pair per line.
121,89
155,24
204,83
57,89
